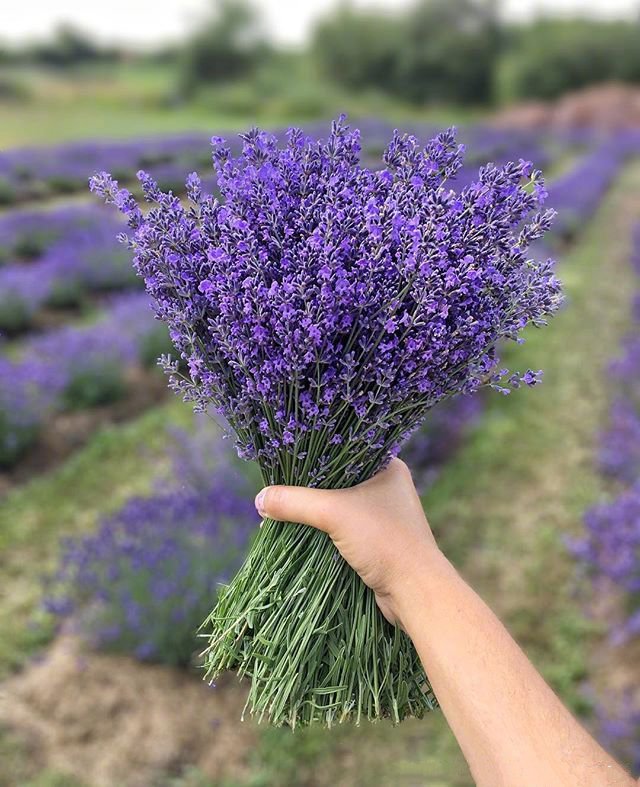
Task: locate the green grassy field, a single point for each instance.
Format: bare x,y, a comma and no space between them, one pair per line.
499,509
138,100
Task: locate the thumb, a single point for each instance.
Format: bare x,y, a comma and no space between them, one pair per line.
297,504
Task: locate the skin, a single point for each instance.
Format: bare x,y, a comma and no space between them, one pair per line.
511,727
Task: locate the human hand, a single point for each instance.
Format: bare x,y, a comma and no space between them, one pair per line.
379,528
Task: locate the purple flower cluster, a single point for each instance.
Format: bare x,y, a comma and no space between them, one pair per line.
323,308
357,291
73,367
83,256
144,581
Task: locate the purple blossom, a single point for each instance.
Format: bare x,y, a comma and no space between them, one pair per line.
308,244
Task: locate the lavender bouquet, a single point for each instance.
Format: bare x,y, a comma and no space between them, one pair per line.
323,308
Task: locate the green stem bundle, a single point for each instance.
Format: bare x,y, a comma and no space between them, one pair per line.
299,622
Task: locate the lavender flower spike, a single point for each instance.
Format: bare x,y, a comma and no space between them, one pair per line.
322,309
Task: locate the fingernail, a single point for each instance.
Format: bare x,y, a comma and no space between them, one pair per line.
259,502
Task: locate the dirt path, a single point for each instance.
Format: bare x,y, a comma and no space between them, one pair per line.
109,720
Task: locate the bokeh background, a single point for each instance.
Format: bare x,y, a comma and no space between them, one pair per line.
120,512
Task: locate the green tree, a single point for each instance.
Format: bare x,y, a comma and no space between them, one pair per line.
551,56
436,50
229,45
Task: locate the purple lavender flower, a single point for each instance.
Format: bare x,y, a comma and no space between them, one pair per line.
322,309
350,261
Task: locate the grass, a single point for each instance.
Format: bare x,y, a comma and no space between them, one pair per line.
500,511
139,100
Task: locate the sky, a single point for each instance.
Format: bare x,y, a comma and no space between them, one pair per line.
151,21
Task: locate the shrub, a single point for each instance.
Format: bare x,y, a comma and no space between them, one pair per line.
143,582
551,57
229,45
26,395
619,454
22,289
619,728
437,50
610,550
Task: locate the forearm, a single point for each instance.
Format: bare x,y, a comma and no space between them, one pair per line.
511,727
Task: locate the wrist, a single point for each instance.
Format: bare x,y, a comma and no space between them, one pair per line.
427,575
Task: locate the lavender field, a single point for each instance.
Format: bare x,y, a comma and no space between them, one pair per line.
535,497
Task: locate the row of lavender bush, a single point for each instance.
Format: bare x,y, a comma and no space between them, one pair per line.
74,367
39,172
72,251
610,547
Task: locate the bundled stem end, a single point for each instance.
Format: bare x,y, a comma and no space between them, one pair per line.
300,623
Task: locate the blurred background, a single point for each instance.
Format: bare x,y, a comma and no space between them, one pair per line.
120,512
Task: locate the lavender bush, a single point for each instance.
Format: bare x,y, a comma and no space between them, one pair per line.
619,455
74,367
143,582
577,193
620,442
619,728
26,398
27,234
83,258
87,364
610,550
323,308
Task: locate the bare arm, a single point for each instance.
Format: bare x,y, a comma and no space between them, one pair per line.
511,727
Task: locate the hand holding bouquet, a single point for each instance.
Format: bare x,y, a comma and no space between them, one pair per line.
323,308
